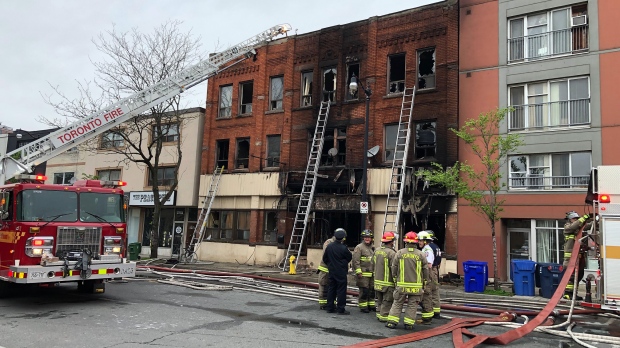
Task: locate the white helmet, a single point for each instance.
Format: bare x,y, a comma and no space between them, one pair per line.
572,215
424,235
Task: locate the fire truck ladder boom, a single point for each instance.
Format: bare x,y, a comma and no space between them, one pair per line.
199,232
26,157
391,220
309,185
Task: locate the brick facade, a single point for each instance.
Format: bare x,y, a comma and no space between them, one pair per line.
368,43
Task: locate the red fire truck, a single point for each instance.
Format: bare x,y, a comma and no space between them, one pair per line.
59,233
56,233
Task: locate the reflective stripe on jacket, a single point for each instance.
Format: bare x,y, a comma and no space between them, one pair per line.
410,270
362,260
322,266
382,260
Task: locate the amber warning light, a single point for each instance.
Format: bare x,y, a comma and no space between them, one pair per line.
604,198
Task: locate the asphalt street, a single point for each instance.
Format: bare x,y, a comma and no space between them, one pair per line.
145,313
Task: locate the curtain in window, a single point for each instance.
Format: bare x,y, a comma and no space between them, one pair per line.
537,99
547,240
558,108
561,170
243,225
580,101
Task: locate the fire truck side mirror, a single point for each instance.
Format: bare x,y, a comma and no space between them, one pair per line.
4,205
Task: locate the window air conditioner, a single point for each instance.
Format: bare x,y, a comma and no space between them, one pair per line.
579,20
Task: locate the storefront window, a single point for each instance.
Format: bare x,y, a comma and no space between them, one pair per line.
166,222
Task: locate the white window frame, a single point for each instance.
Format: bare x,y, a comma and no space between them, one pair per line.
532,177
548,105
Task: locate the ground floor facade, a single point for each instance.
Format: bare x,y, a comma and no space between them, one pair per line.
531,227
251,219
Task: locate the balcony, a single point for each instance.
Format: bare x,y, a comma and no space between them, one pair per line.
544,45
566,113
536,182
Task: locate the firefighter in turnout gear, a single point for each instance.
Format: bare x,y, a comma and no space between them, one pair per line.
410,271
571,228
324,277
362,264
432,287
435,269
384,281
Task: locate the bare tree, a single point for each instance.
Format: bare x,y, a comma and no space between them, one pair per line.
134,61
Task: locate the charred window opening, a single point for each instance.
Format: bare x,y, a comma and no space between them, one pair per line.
334,147
246,89
273,151
225,102
352,69
276,93
306,88
242,160
271,227
329,84
391,130
322,226
426,68
425,140
221,150
396,71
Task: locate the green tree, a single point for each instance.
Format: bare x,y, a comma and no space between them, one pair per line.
480,183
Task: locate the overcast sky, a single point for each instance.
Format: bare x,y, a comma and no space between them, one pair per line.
47,42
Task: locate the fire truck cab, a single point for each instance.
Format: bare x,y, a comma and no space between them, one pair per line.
62,233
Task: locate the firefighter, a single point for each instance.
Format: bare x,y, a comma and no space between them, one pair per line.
383,279
571,228
435,269
431,288
362,264
410,272
323,277
337,257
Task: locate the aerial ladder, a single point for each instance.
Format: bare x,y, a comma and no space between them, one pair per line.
309,185
25,158
201,225
393,208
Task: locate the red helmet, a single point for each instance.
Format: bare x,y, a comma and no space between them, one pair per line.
387,237
411,237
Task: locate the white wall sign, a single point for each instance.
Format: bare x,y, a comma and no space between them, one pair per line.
363,207
145,198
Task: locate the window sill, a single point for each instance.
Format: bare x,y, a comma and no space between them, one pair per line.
393,95
551,190
270,112
309,107
240,170
273,244
271,169
354,101
229,241
223,118
551,129
243,115
426,90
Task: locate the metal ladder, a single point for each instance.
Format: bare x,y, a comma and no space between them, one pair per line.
201,225
399,164
307,192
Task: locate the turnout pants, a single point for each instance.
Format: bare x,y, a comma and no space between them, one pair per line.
323,282
366,297
569,242
427,299
385,298
397,307
435,292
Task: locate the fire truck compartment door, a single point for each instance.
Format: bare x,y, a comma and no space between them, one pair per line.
611,258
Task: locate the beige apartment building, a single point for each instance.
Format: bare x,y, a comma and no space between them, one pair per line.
178,218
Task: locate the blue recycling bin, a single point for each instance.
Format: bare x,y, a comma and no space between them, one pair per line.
550,275
523,277
476,276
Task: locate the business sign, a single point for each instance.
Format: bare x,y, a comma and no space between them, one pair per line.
77,131
146,198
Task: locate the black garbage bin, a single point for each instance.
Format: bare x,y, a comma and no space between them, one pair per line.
550,275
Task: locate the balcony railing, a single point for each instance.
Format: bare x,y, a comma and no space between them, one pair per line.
534,182
564,113
552,43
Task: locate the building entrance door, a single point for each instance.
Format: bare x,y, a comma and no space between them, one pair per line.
177,239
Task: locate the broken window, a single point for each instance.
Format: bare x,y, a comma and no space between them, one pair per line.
221,151
273,151
329,84
242,160
425,140
352,69
246,89
390,143
225,102
396,72
334,147
276,93
306,88
271,227
426,68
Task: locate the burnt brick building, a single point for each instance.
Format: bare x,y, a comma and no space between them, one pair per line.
262,112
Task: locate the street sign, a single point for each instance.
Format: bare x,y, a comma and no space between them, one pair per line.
363,207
